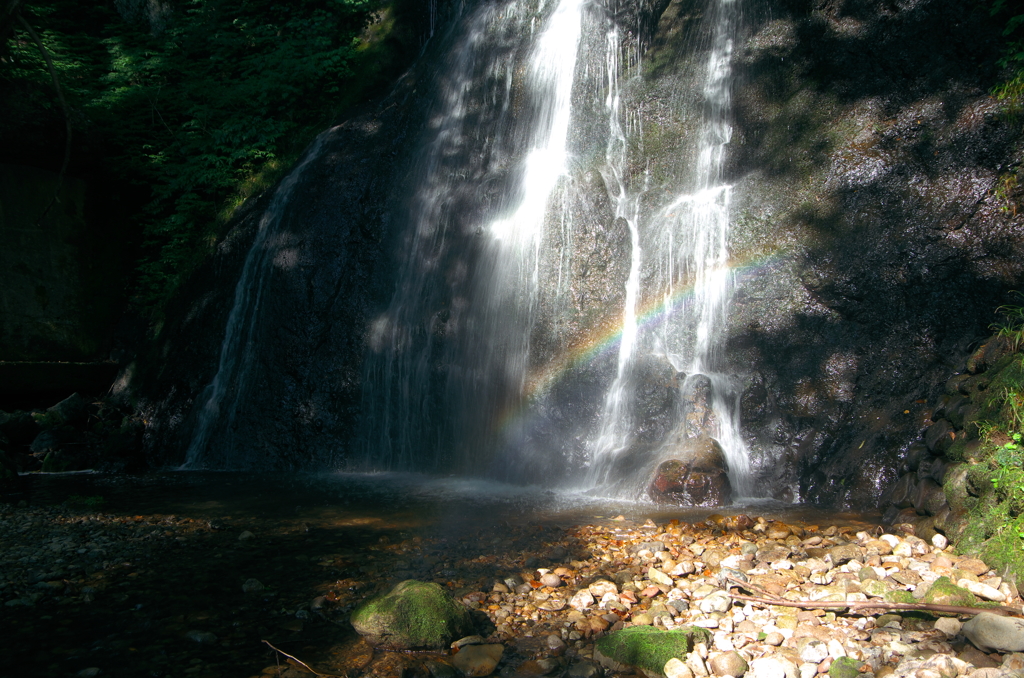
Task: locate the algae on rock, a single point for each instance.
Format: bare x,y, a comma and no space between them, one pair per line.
650,648
414,614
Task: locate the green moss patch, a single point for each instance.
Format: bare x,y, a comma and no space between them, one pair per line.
649,648
944,592
844,667
412,615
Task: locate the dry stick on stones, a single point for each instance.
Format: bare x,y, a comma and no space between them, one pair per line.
880,605
304,664
752,587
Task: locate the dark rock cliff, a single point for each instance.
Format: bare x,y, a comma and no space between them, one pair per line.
872,245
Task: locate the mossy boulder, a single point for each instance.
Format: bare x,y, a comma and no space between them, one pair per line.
649,648
413,615
899,596
844,667
944,592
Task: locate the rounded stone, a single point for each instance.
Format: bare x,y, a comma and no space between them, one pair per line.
728,664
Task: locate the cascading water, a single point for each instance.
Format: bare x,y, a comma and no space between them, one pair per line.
219,401
527,229
688,252
451,352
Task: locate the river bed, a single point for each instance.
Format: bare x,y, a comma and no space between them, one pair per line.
187,574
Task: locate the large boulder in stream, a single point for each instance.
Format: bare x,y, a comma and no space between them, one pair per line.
413,615
696,476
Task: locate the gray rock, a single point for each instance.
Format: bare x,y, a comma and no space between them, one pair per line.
948,625
812,650
993,633
252,586
728,664
719,601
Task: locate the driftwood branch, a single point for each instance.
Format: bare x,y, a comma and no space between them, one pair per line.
879,605
304,664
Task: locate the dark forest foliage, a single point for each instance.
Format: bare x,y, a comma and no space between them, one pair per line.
191,105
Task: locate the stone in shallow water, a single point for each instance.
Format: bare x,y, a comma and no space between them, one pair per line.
584,669
551,579
478,660
252,586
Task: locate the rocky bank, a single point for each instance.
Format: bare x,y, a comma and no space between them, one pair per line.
173,595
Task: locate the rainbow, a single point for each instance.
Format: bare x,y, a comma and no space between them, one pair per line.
607,334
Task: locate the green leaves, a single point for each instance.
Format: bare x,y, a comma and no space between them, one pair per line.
190,112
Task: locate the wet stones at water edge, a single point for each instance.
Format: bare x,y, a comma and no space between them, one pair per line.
695,476
75,434
413,615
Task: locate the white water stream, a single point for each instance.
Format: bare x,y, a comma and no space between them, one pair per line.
529,98
691,250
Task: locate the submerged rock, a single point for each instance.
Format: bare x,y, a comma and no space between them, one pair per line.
414,614
478,660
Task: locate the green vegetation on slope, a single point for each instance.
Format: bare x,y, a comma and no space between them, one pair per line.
1011,92
991,491
191,105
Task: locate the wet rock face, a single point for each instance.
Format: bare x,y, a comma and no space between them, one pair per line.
865,156
866,167
697,476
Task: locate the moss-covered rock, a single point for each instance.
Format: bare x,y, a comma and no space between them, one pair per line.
900,596
844,667
944,592
412,615
649,648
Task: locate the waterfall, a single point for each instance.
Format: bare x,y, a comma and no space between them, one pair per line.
218,403
526,235
702,219
467,292
689,252
616,421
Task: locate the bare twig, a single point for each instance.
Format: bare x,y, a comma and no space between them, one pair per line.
752,587
880,605
304,664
